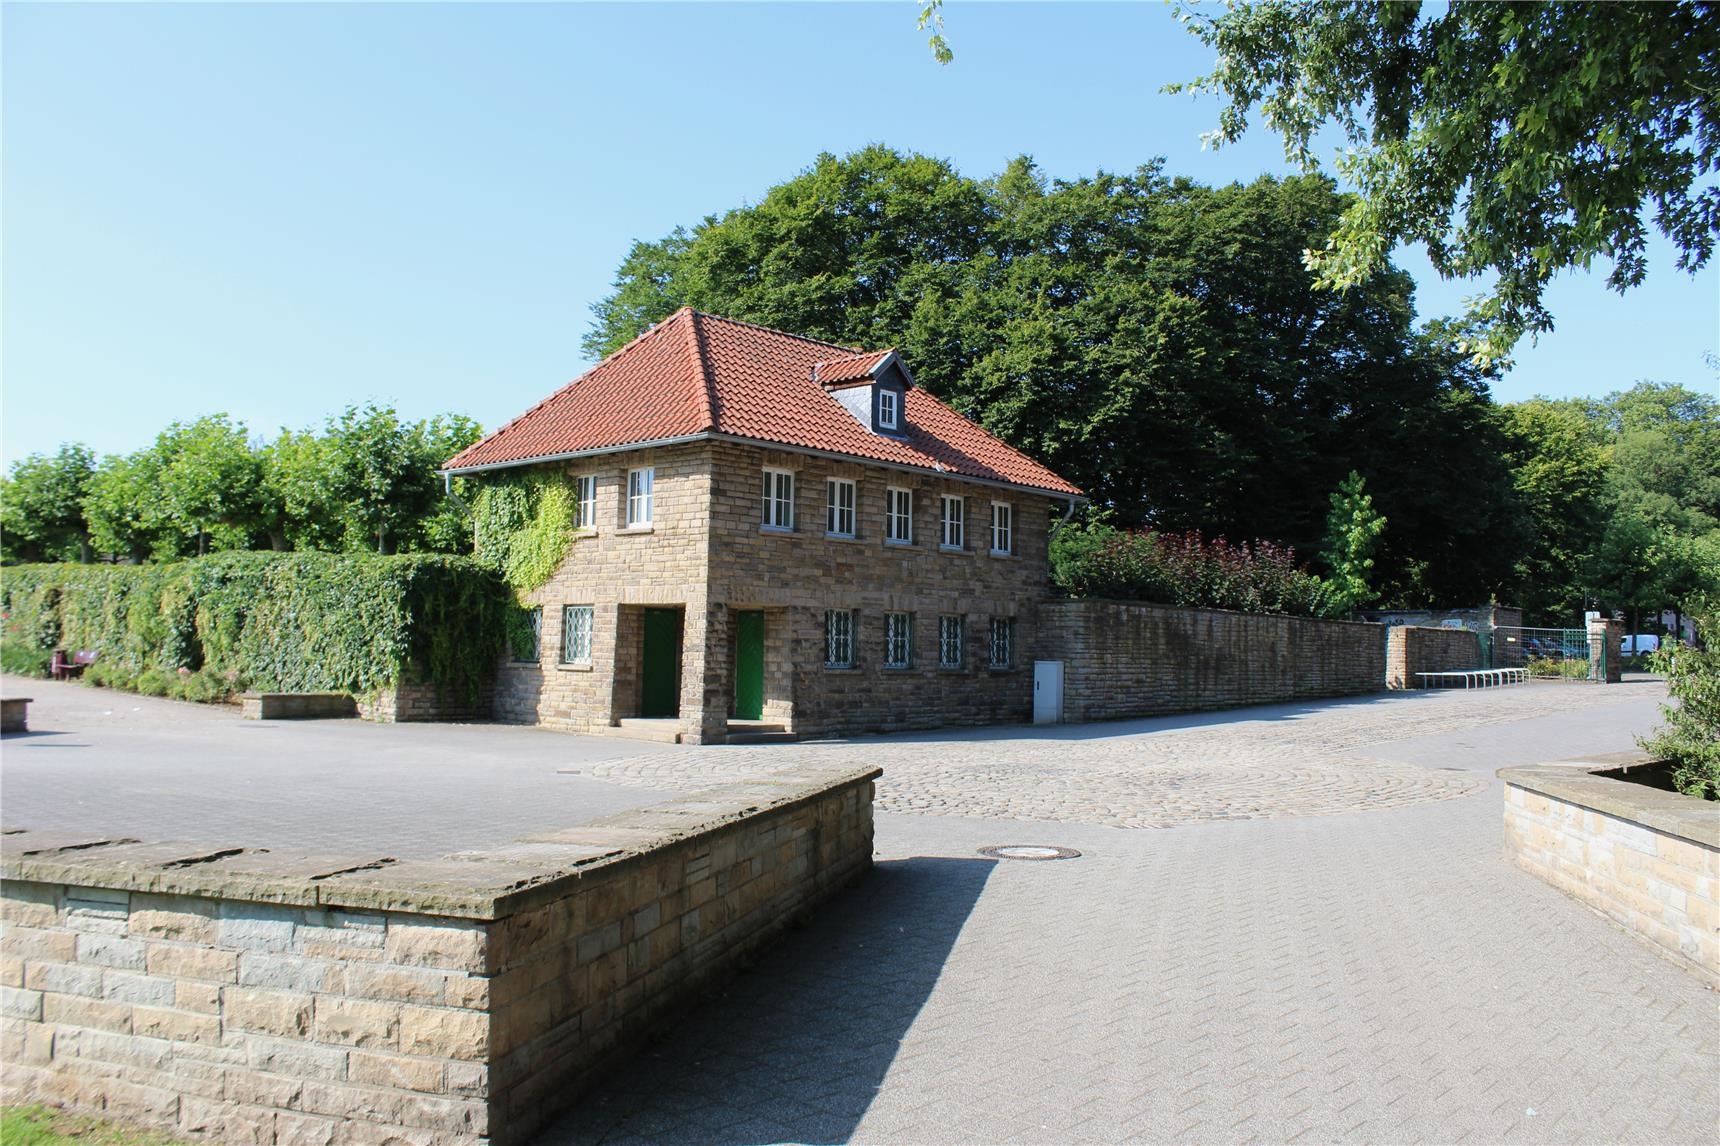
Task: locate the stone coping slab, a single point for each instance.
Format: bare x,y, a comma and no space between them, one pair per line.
1579,782
480,885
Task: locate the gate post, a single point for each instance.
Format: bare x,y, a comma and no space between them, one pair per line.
1606,665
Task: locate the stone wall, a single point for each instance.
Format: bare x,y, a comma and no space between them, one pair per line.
1647,859
405,703
794,577
1126,659
249,996
1411,649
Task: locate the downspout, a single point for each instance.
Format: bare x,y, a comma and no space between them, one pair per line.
1058,528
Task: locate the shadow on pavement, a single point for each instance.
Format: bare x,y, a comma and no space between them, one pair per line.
796,1048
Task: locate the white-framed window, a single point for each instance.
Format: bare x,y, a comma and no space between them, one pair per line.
778,499
888,416
1002,527
953,519
525,637
950,628
838,638
576,634
898,640
839,511
899,515
1002,642
640,485
585,501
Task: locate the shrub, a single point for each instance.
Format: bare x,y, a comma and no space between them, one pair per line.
1690,736
20,659
154,682
1188,570
288,622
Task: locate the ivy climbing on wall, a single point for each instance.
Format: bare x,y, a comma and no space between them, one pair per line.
522,525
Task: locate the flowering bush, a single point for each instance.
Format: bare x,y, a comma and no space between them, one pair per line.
1189,570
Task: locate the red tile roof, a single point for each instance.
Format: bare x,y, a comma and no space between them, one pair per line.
849,368
695,373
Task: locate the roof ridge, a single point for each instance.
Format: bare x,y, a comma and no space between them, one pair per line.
779,333
702,364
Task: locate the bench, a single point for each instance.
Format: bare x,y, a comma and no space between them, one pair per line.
65,668
1473,678
15,714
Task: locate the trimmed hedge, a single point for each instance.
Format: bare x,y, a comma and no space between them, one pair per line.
279,622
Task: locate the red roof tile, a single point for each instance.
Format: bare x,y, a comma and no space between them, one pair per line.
695,373
849,368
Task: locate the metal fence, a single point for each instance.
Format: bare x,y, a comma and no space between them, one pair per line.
1548,654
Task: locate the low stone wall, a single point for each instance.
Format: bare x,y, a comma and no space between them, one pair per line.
1645,858
296,705
426,702
1125,659
1412,649
250,996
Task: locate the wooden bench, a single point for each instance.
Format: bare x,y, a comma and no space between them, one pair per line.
15,714
65,668
1473,678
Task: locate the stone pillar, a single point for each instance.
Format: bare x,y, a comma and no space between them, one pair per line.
1605,662
705,683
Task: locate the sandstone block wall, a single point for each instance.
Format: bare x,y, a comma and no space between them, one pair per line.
1647,859
296,705
427,702
1411,649
1126,659
245,996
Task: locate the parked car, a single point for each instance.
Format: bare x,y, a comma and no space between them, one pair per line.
1639,643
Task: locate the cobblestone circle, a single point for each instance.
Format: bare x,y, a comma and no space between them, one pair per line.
1263,764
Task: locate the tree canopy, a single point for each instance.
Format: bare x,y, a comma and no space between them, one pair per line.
1514,140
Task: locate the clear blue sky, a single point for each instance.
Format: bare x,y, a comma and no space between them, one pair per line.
275,211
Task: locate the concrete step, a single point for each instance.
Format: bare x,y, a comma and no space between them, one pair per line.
663,730
759,732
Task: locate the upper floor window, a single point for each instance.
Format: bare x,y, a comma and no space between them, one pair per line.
838,638
778,499
898,640
1002,642
888,400
839,514
576,635
899,515
950,641
1002,527
585,501
639,494
953,519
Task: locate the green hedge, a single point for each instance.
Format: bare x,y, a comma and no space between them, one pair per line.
278,622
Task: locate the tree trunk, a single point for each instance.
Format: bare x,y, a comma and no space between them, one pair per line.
278,541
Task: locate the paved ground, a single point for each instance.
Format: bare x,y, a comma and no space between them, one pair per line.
1349,959
164,770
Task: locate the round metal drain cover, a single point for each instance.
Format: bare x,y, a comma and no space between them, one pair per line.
1028,852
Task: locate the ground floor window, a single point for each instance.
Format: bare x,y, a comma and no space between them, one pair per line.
576,635
525,635
838,638
898,640
950,641
1002,642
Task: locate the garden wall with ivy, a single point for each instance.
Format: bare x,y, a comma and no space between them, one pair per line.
278,622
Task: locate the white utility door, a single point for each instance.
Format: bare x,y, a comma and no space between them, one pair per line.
1047,692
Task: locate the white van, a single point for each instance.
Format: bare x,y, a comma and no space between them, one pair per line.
1640,643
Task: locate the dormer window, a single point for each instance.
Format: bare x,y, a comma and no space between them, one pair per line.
887,403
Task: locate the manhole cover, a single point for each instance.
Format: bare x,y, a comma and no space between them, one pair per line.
1028,852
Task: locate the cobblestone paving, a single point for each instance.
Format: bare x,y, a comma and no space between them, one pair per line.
1263,763
1379,977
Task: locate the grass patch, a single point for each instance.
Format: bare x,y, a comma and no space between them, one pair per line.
49,1126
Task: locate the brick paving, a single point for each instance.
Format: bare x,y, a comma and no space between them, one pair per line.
1375,977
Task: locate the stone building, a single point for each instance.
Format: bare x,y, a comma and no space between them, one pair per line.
774,531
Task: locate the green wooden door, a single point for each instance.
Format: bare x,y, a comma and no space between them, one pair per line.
660,687
749,666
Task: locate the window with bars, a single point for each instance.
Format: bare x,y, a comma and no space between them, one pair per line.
525,636
1002,527
778,499
899,515
1002,642
576,634
898,640
839,515
640,485
585,501
950,641
953,518
838,638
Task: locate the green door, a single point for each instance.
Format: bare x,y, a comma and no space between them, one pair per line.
749,666
660,685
